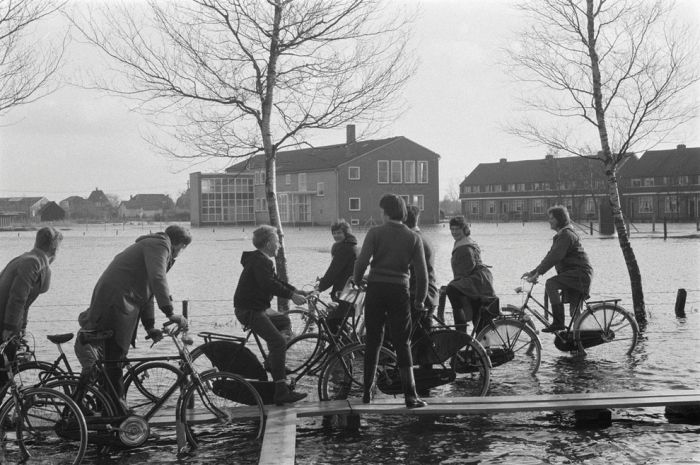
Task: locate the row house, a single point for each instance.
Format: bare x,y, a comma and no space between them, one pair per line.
659,184
95,207
147,207
16,210
316,186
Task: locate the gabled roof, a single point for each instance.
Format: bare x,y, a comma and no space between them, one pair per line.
316,158
527,171
21,204
74,198
673,162
148,202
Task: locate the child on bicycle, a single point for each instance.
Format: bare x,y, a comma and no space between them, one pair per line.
574,271
257,285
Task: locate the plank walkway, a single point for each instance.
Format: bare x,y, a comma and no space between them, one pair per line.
279,442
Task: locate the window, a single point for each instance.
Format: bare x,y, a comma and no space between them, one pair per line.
511,188
491,207
589,207
320,189
520,187
409,172
497,188
405,199
537,206
288,179
645,205
354,204
354,221
636,182
422,172
396,172
476,188
671,204
648,182
354,173
260,205
420,202
383,172
474,207
302,182
683,180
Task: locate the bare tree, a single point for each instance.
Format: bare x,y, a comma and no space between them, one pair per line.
620,68
244,77
26,69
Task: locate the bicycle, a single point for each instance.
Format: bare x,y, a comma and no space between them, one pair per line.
207,404
39,422
598,329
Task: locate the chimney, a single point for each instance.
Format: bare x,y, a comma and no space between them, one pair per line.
503,161
549,156
680,146
350,134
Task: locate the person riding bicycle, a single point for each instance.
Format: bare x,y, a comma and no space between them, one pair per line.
123,295
257,285
574,271
23,279
344,253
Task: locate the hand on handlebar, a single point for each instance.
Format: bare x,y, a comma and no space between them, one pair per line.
530,276
298,298
155,334
180,320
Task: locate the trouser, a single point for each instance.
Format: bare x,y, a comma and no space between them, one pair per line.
269,325
462,307
10,353
563,282
387,301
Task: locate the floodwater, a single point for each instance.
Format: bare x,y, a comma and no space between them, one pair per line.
207,271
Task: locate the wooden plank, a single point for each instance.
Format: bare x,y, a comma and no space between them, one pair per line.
279,442
310,409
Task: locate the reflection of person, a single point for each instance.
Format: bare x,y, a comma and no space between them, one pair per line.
124,294
344,253
257,285
472,281
574,271
421,337
392,248
21,282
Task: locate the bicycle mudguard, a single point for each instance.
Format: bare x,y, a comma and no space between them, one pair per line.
237,392
426,378
234,358
445,343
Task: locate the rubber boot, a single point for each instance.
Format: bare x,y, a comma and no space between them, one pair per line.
368,381
409,389
558,319
284,395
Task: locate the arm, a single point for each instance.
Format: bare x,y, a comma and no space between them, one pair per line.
561,245
156,260
265,276
363,259
19,298
421,270
341,257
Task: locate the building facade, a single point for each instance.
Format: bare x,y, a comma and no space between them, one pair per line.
660,184
15,210
317,186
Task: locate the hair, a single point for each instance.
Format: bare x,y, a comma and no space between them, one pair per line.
341,225
178,235
393,206
561,214
412,214
263,235
48,239
458,221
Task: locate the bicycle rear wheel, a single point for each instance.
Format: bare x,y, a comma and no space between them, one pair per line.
46,424
513,344
303,350
473,369
343,375
606,332
147,383
36,373
92,401
220,407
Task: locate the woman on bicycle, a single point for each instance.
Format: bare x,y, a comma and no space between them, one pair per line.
257,285
473,282
574,271
343,253
392,248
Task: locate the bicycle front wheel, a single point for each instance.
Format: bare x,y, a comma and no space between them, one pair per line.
146,384
303,350
45,424
36,373
473,369
606,332
513,344
303,321
220,407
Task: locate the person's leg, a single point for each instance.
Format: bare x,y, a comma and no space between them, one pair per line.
375,318
10,353
281,322
456,301
112,351
552,287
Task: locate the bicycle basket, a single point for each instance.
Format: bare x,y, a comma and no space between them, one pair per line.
234,358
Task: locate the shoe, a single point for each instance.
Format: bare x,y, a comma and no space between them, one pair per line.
553,329
266,366
284,395
415,402
366,397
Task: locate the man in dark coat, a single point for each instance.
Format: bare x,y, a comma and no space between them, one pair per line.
21,282
124,294
574,271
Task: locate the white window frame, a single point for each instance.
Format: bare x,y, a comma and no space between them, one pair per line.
396,172
409,171
636,182
321,189
359,204
406,199
646,204
648,182
683,180
354,221
354,173
671,204
302,182
379,171
491,207
422,172
589,206
474,207
537,206
288,179
420,202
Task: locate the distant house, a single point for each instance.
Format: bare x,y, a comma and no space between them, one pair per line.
52,212
182,206
21,209
321,184
96,207
147,206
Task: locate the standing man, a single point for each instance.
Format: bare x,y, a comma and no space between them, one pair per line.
124,294
571,262
21,282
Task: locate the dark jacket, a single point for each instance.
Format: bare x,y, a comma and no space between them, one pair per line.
344,254
471,277
21,282
431,300
126,289
258,283
566,254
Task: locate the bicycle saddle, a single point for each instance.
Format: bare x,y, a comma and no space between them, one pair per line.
60,338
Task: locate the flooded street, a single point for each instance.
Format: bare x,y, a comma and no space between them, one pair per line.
205,274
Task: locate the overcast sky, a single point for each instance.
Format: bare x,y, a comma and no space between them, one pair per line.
75,140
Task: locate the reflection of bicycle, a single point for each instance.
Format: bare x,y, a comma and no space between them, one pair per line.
38,422
601,330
